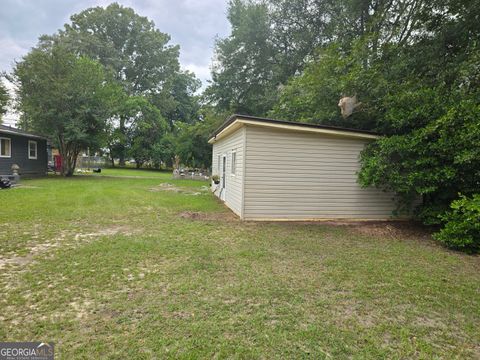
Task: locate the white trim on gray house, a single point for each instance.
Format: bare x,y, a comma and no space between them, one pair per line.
5,152
35,150
26,150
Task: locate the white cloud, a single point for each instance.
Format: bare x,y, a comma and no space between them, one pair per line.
201,71
12,50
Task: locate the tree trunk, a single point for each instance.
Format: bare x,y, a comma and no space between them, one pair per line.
176,162
69,163
122,146
69,154
112,159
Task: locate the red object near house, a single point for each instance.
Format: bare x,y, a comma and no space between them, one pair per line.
58,162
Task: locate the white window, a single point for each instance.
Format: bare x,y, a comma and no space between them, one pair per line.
234,162
218,165
5,147
32,149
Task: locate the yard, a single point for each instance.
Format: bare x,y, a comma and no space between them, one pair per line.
131,264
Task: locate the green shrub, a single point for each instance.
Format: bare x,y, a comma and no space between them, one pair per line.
462,225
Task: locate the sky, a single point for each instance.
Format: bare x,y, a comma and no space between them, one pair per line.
192,24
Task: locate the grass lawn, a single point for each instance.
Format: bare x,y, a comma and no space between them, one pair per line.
134,173
120,267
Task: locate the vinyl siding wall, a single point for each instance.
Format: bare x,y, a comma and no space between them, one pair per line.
233,192
293,175
19,156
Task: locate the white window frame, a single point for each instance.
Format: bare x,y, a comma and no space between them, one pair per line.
219,164
9,147
224,170
30,157
233,163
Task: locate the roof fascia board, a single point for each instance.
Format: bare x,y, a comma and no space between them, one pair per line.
230,128
12,132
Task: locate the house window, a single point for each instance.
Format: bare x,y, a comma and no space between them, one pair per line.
234,162
32,149
5,147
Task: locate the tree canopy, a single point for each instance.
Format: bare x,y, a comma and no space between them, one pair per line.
4,99
129,44
142,61
66,97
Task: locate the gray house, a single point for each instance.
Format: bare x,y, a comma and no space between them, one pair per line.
278,170
28,151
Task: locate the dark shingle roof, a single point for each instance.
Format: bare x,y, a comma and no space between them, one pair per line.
11,130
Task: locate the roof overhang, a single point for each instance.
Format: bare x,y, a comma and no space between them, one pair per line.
13,131
235,122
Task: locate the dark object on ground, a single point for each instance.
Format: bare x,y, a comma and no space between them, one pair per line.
5,184
97,170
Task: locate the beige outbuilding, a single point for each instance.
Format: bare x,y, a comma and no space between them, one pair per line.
279,170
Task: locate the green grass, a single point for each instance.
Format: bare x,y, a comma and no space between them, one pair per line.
164,174
113,267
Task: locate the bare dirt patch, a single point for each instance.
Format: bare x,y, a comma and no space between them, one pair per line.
387,229
108,231
81,308
22,186
176,189
63,239
15,260
166,187
395,230
25,259
196,215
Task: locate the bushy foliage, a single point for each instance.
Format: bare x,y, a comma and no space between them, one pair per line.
4,99
435,162
192,141
242,70
462,225
335,72
146,128
66,97
269,43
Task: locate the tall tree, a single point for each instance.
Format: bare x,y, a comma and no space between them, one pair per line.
147,127
270,42
4,99
273,40
243,68
189,142
179,102
192,140
298,28
139,56
129,44
66,97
